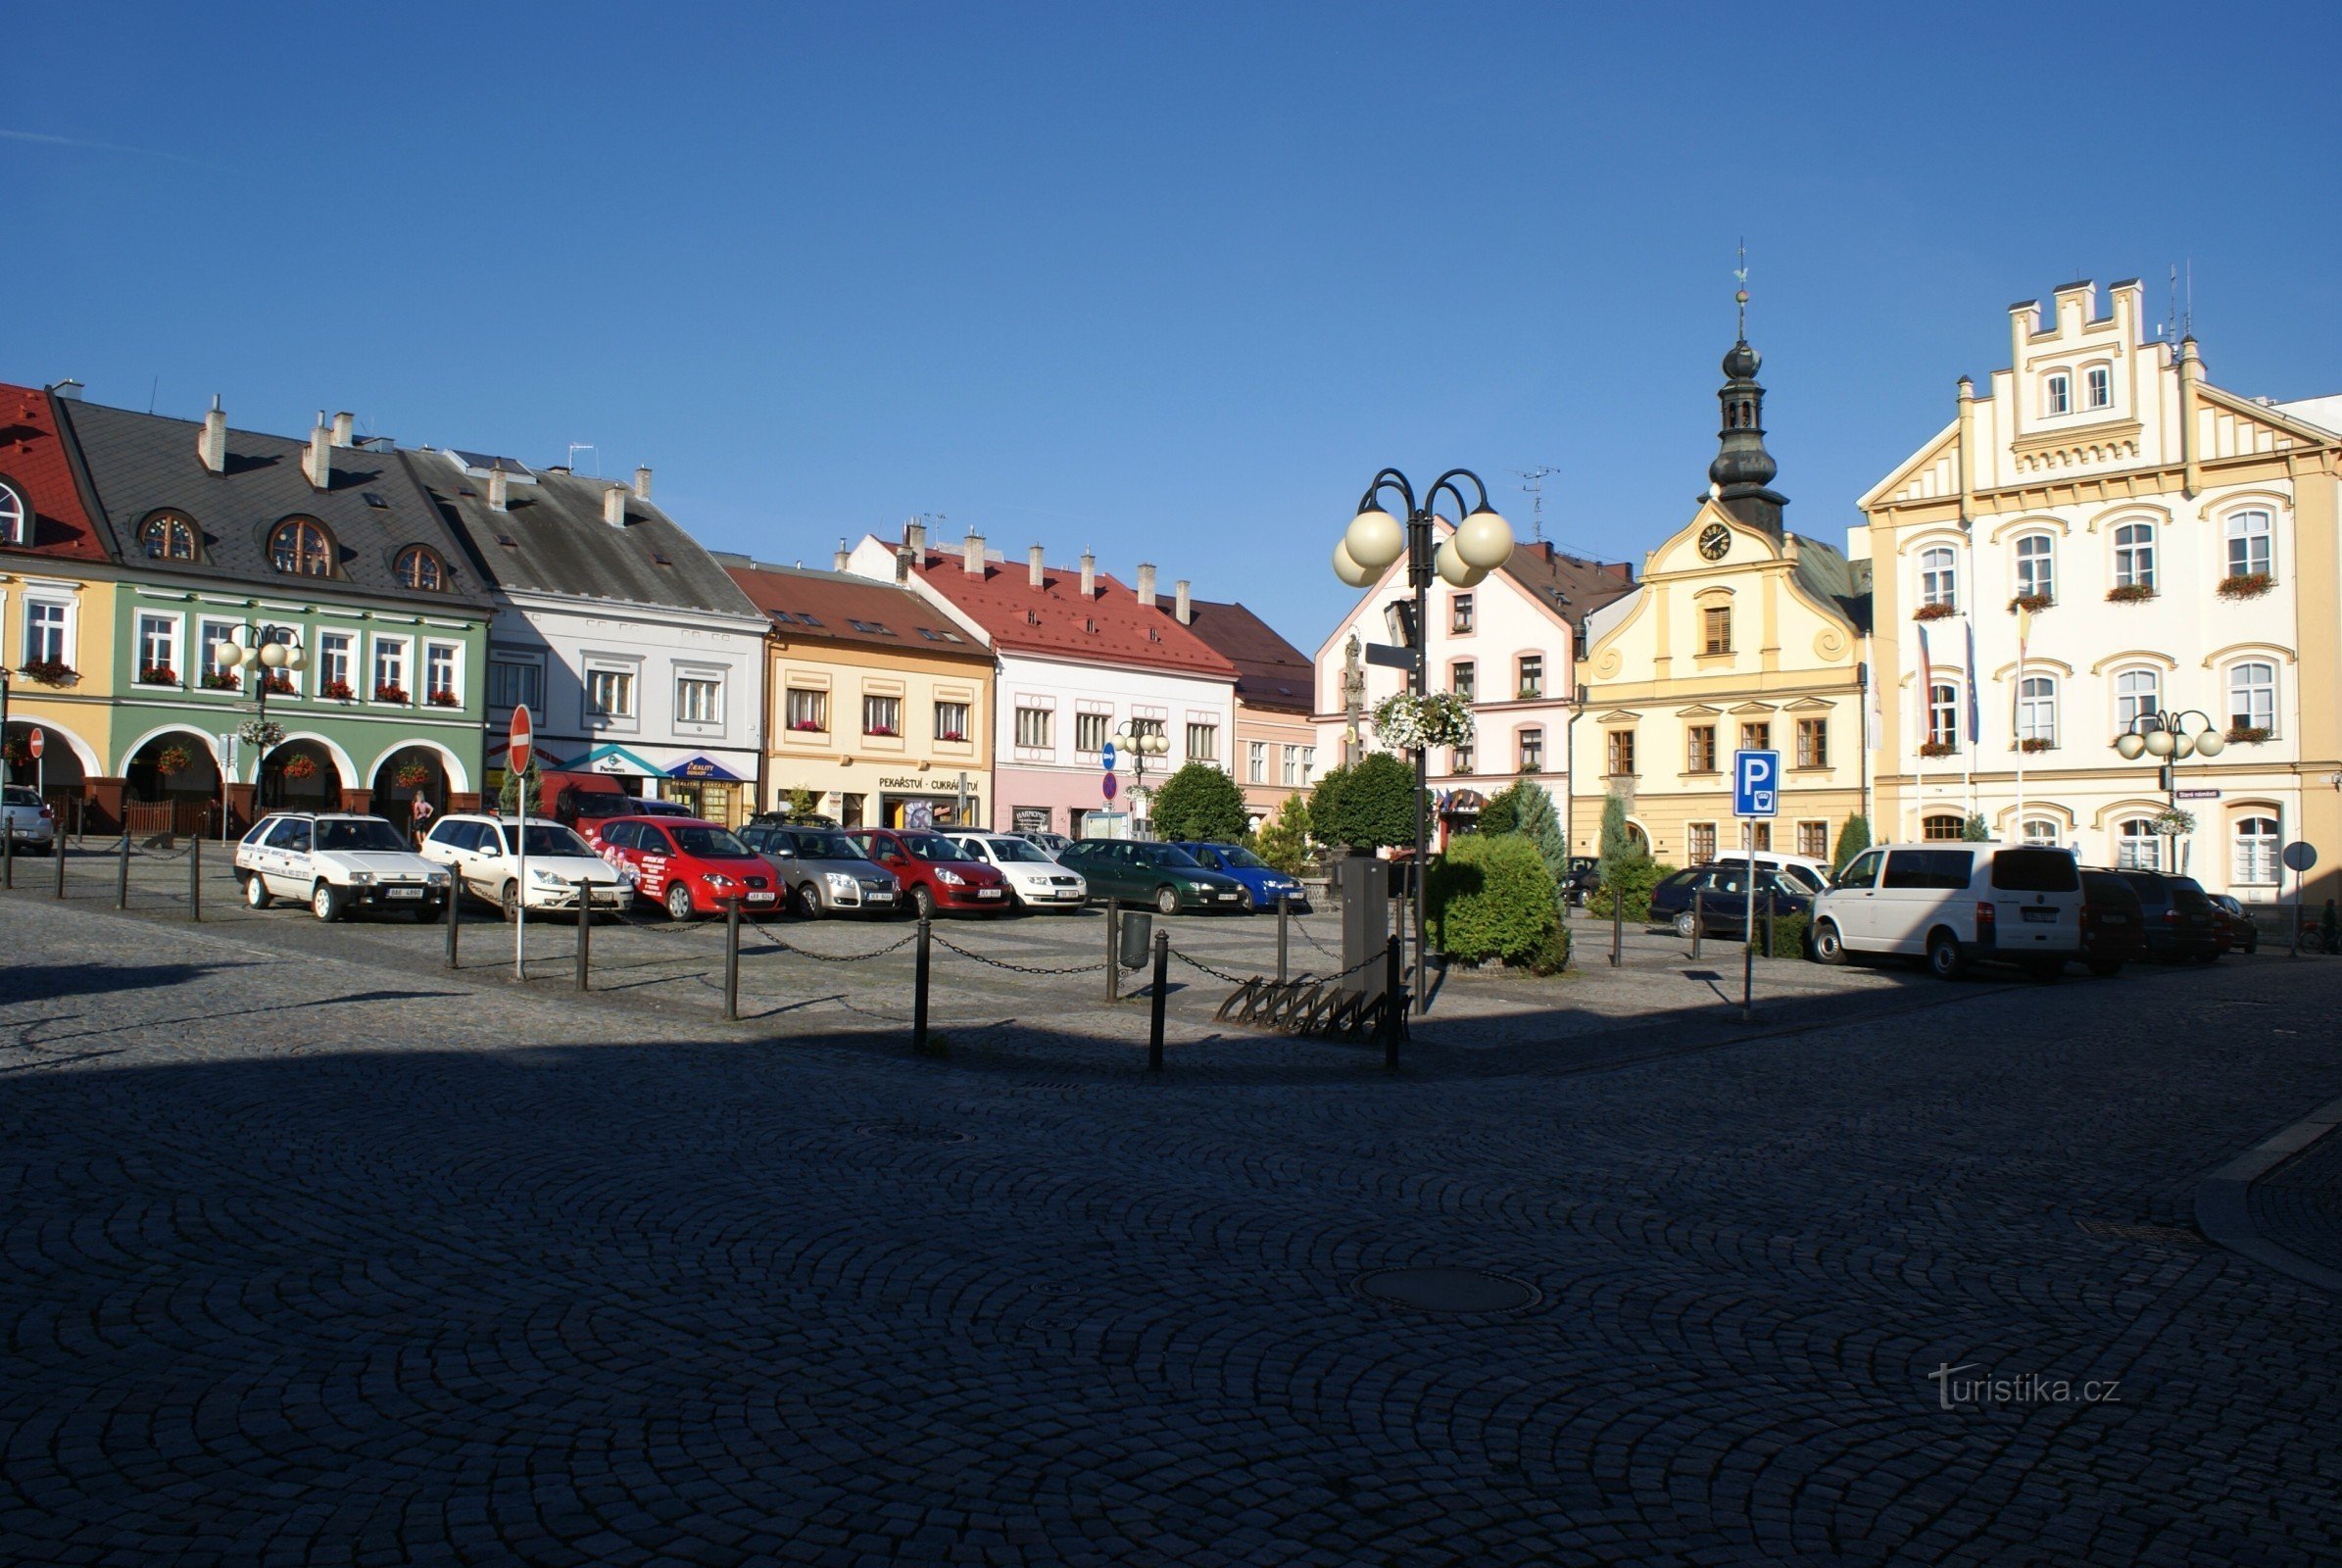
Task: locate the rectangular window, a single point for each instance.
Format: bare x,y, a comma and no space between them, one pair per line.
1089,732
2056,395
1257,761
1533,751
1291,773
2134,556
1036,727
610,692
1309,763
2098,384
337,663
513,682
1943,717
1699,841
1460,760
952,721
1715,629
1813,743
1813,840
1532,675
208,638
2252,696
2037,713
159,650
1459,613
1756,736
1620,752
439,675
1699,749
805,711
2037,573
1760,834
699,700
882,715
390,669
44,632
1462,677
1204,743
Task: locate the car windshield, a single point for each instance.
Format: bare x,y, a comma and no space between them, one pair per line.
1238,856
1011,850
1166,857
708,842
604,802
814,844
362,835
23,794
547,838
934,847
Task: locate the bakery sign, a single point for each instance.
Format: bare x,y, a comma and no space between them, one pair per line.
903,781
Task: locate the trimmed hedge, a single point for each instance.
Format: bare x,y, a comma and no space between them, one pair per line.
1490,897
1630,883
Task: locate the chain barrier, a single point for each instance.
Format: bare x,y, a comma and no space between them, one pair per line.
1014,968
841,958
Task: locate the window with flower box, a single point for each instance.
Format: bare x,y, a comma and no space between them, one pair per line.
442,681
390,670
952,722
157,650
2252,700
805,711
336,653
882,716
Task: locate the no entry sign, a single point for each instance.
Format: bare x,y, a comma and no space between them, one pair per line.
520,741
34,743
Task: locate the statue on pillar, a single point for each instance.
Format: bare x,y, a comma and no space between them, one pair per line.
1353,700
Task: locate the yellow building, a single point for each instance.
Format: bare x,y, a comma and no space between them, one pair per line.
875,703
1742,636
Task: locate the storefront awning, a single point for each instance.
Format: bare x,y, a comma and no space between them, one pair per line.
703,767
1462,802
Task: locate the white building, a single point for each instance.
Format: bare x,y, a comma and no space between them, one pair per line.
2177,545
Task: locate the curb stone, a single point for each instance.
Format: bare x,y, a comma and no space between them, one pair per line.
2223,1198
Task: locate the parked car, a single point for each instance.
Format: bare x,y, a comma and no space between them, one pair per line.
2179,919
1052,845
576,799
1133,872
938,876
1722,893
1261,881
686,866
2112,925
791,820
2238,932
337,862
563,871
823,872
1035,880
1800,871
1953,903
28,817
1579,882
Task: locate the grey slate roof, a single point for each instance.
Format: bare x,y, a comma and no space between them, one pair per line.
137,463
1834,580
553,541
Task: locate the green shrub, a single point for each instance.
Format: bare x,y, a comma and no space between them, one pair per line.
1199,803
1852,840
1490,897
1502,813
1284,839
1632,885
1788,936
1553,955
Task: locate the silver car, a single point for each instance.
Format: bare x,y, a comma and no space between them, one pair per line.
27,820
821,872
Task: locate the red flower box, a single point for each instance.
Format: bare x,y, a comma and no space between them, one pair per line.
1934,612
223,681
391,694
276,685
445,699
158,676
338,690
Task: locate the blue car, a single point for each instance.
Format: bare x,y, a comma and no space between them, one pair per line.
1261,881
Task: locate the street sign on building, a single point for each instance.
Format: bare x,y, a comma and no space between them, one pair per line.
1756,783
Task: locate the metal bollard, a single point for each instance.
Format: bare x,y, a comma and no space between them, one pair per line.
195,879
1154,1020
1618,929
121,875
585,938
455,910
8,854
1749,975
59,848
1390,1008
1283,909
732,956
1113,953
918,992
1700,923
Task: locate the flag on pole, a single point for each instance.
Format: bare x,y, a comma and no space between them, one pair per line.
1975,708
2025,628
1926,688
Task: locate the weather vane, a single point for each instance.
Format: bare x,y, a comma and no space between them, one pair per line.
1740,294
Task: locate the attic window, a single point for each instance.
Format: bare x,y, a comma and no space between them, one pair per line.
876,628
657,559
373,498
928,633
508,541
781,615
949,636
810,620
467,490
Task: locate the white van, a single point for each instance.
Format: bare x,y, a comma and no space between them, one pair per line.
1800,871
1953,903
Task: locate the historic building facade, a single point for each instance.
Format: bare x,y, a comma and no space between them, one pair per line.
2100,536
1741,636
1276,737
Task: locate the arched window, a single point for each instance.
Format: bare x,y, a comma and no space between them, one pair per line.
1938,577
2040,830
1942,827
13,516
299,547
2134,556
2253,696
2138,693
2137,845
2249,544
2036,568
2255,852
2098,386
1943,717
420,566
2057,393
2038,712
167,536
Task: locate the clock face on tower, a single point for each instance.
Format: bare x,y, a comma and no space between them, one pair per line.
1714,540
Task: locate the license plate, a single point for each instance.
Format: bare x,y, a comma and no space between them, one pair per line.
406,893
2114,920
988,892
760,897
2043,916
879,898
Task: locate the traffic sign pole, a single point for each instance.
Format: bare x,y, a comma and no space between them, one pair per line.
1756,794
519,744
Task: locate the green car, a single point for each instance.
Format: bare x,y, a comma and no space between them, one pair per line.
1164,875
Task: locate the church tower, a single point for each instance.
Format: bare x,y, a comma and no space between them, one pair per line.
1744,470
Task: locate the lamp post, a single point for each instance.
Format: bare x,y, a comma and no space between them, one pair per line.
1375,539
8,772
259,650
1140,743
2164,736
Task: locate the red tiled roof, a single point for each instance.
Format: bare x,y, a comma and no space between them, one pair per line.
834,602
32,459
1270,672
1112,627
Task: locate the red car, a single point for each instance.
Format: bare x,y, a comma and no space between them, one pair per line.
940,876
684,865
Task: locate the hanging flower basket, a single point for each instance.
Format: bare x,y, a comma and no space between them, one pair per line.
303,766
2034,604
50,671
2130,593
1938,749
412,776
19,755
336,690
223,681
1412,723
264,733
173,760
1936,612
2172,822
2034,742
2249,734
2245,585
158,676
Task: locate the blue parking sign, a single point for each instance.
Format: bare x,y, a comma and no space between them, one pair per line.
1756,783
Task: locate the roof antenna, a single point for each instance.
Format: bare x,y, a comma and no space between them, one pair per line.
1740,292
575,447
153,387
1533,480
2188,321
2170,319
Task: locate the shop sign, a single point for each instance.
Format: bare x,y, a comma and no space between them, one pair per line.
903,781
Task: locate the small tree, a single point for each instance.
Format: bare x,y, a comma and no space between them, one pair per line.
1541,825
1619,846
805,803
1199,803
1284,839
1632,886
1369,807
1502,813
1974,830
516,789
1852,840
1490,897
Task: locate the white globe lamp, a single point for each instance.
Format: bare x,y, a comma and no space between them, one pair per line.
2129,747
2159,742
228,655
1348,570
1375,539
1485,540
2210,742
1453,569
273,655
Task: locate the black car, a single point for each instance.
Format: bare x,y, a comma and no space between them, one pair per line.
1585,874
2112,922
2179,916
1723,894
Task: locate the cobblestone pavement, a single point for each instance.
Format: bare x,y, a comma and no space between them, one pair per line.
321,1261
2299,1205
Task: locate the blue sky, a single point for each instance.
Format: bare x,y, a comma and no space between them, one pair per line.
1167,282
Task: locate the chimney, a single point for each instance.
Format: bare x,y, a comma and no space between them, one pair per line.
840,561
500,491
319,464
345,428
613,502
971,556
1088,576
212,445
914,534
902,560
641,482
1147,583
1033,570
1183,609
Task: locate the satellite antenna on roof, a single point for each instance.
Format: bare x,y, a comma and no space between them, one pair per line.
575,447
1533,480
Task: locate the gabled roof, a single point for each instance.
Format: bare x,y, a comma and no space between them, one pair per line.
138,464
1112,627
1829,576
1270,672
1569,586
35,462
552,539
837,607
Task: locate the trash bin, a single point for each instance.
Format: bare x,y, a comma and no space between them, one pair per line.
1138,935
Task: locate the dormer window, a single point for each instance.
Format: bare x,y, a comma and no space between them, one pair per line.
418,566
167,536
299,547
13,516
2098,386
2057,393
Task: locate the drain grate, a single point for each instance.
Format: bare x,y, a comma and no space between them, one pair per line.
1439,1288
912,1132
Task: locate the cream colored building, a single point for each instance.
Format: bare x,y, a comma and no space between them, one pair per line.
2180,545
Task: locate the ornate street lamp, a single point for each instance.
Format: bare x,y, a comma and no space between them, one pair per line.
1376,538
258,651
2164,736
1140,743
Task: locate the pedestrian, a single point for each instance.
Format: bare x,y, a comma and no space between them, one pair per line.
418,818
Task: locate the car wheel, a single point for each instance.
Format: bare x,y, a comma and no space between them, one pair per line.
325,902
801,900
2106,968
256,892
1246,902
1945,961
1166,901
1683,924
426,913
678,901
1829,946
922,902
508,901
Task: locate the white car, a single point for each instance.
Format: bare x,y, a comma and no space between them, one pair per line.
1800,871
562,868
1952,904
1035,881
335,863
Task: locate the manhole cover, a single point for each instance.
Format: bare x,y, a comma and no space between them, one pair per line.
1448,1289
914,1132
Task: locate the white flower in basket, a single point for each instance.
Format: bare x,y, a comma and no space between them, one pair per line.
260,732
2173,822
1413,723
